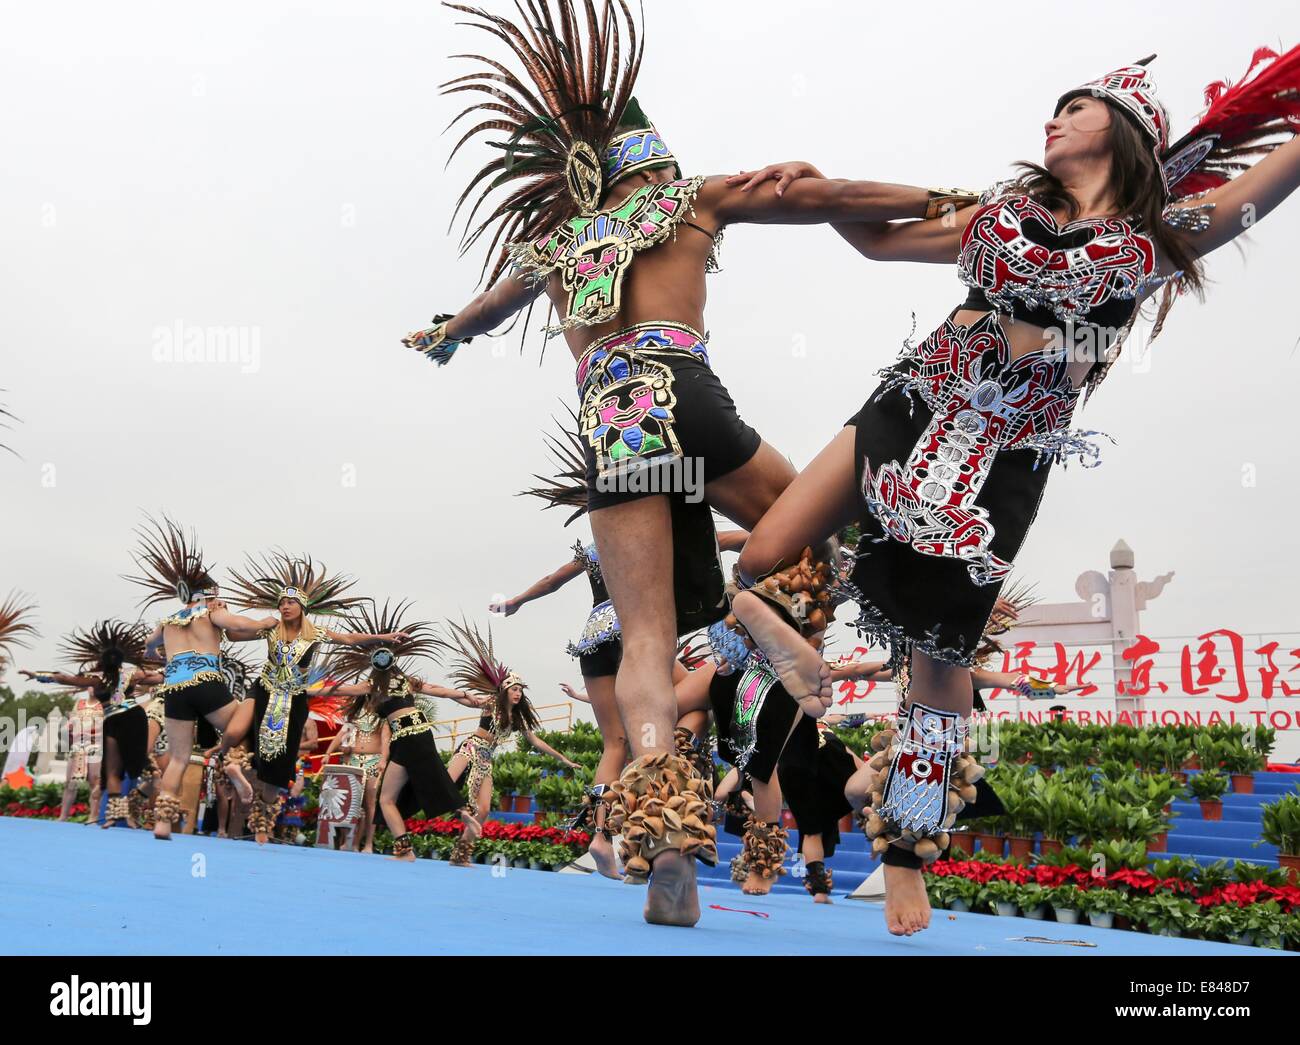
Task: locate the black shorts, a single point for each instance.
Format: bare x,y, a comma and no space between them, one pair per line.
602,661
759,742
655,418
197,701
129,731
814,788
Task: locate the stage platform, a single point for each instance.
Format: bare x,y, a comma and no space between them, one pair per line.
73,889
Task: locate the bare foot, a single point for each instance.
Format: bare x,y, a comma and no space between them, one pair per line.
602,851
822,898
907,907
409,858
672,898
242,787
162,831
800,668
472,827
756,884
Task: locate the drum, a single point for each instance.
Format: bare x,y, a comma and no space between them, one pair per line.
342,803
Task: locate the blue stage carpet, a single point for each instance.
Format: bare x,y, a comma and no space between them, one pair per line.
72,889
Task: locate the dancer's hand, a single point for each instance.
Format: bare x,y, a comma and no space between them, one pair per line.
505,607
1002,608
568,691
783,173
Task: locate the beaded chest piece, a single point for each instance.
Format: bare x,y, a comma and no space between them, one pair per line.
592,253
1087,271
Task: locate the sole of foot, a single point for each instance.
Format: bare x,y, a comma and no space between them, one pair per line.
602,851
907,906
672,897
800,668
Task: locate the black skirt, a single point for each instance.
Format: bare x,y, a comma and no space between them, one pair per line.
814,789
130,730
277,770
428,786
755,732
953,452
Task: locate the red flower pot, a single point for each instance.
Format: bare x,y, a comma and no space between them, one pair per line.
1159,844
1050,845
1021,848
1212,810
1192,763
1292,865
787,820
963,845
846,825
991,843
1243,783
523,803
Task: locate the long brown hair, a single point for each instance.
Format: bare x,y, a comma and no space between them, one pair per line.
521,716
1138,194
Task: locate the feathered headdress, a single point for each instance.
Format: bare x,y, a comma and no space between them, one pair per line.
266,581
345,663
16,627
1019,596
568,486
474,663
1242,122
560,117
114,642
172,564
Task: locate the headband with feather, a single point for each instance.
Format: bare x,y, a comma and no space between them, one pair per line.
114,641
171,564
345,663
559,116
474,663
266,581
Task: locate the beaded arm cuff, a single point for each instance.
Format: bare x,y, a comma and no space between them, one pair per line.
434,342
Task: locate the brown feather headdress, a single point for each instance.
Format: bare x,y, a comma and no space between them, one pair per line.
474,663
107,644
171,563
16,627
4,424
558,116
568,486
345,663
266,581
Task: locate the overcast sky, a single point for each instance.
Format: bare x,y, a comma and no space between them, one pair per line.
278,168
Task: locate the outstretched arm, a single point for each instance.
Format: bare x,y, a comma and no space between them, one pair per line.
575,694
811,201
936,239
236,625
489,310
548,585
460,696
61,678
546,749
1240,204
361,638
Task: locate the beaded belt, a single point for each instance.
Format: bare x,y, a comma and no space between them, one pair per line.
417,723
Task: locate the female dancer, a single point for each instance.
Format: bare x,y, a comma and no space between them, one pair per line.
85,747
414,777
297,588
585,165
950,455
507,712
107,655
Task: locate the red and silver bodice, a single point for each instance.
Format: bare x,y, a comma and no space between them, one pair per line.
1091,271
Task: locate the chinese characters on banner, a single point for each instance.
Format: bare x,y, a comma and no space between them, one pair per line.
1220,665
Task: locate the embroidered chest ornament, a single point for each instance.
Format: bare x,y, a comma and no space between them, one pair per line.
591,253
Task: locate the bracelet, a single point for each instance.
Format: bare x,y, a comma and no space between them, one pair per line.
434,342
945,200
